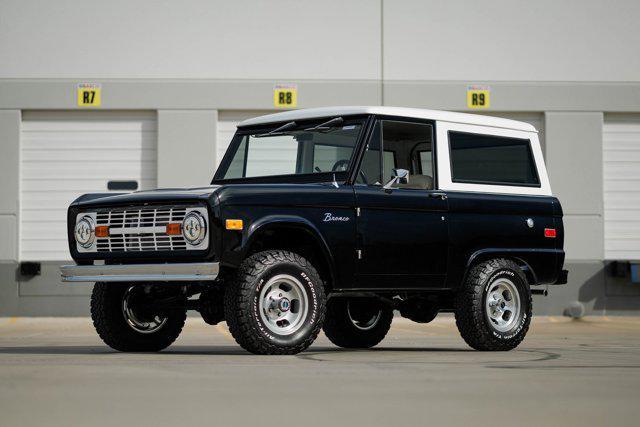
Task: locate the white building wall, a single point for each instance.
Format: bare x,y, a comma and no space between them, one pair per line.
219,39
498,40
512,40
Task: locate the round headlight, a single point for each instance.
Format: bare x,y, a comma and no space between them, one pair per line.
194,228
85,231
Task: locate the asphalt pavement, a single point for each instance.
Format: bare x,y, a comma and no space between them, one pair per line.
57,372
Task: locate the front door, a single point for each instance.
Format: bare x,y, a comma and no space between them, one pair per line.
402,230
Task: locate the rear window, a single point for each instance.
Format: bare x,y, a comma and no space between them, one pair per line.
493,160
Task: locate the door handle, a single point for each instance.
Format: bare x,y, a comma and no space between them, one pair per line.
441,196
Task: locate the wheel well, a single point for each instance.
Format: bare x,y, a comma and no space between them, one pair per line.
295,239
526,269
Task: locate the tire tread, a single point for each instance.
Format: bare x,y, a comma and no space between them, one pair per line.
116,333
239,293
340,330
469,310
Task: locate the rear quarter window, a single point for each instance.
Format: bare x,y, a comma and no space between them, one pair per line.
492,160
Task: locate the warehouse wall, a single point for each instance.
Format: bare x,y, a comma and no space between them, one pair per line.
190,60
574,162
437,40
186,156
506,40
191,39
9,143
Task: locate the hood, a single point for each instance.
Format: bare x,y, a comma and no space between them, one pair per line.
149,196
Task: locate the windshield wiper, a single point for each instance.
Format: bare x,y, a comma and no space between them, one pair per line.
277,131
328,125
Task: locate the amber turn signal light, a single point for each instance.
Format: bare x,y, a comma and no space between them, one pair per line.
102,231
233,224
174,228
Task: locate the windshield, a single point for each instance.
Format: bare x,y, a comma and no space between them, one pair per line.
292,149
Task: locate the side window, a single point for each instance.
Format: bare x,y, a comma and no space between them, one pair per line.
492,160
399,145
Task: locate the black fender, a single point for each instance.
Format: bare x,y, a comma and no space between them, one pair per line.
291,221
540,265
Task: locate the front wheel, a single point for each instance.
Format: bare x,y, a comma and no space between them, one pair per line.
276,303
357,322
493,306
125,318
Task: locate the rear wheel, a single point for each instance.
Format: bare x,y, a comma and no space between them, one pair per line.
125,320
276,303
357,322
493,306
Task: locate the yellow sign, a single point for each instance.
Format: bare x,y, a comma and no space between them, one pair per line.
285,96
478,96
89,94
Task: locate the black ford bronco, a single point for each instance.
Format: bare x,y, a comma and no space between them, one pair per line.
331,218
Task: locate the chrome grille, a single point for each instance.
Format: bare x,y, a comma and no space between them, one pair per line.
140,229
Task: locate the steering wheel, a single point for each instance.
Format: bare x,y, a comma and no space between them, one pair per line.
340,166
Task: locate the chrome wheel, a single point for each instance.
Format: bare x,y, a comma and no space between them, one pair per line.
363,319
283,304
145,324
502,305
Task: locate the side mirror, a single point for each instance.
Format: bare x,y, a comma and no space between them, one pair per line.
400,176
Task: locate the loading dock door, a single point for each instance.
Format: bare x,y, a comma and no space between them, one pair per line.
621,172
64,154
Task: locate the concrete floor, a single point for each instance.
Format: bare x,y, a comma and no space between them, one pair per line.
56,372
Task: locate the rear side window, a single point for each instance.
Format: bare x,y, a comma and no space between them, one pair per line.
492,160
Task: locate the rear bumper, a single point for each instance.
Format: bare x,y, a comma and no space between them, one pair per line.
563,278
179,272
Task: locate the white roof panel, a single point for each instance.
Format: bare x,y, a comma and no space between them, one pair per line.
444,116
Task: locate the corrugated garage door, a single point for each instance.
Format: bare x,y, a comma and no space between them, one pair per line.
65,154
621,171
227,123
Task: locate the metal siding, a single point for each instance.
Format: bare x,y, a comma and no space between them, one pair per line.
621,172
64,154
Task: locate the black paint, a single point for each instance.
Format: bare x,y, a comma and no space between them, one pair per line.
410,240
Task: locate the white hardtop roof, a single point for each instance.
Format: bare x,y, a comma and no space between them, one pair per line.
418,113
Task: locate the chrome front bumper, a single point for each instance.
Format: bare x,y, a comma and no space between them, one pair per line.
179,272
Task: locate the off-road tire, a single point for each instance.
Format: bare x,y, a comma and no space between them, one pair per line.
242,309
112,327
342,331
470,311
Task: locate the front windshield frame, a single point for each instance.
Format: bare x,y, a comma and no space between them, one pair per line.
239,137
